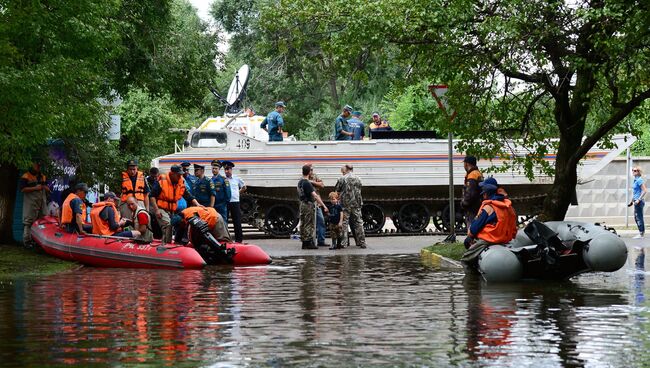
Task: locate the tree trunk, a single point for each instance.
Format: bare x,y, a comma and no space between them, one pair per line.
9,173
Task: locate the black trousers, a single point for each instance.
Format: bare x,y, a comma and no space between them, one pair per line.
235,214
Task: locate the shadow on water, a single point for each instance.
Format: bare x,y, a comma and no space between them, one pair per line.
322,311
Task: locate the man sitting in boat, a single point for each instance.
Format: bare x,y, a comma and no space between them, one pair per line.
106,219
496,222
215,222
73,211
141,221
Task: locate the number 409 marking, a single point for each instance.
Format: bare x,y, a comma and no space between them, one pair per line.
243,144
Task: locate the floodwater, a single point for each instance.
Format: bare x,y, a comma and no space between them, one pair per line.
343,311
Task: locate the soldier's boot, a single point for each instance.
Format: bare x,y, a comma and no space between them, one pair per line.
309,245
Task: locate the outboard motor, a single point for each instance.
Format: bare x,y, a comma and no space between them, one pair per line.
549,245
206,245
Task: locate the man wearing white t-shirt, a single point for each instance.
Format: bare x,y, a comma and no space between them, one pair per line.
237,187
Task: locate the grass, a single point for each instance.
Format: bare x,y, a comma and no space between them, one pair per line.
450,250
18,261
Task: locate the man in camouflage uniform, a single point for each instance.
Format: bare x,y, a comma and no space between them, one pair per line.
309,200
203,188
349,188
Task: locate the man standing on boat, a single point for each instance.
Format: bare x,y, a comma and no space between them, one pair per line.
165,194
309,203
349,188
203,188
496,222
221,190
106,220
471,201
342,130
133,184
273,123
33,185
237,187
73,211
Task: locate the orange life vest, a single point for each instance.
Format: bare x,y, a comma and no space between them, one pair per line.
100,226
207,214
66,212
127,187
33,180
506,227
170,193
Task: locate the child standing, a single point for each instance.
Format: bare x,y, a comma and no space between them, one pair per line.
335,220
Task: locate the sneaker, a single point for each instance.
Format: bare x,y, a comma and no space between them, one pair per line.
640,236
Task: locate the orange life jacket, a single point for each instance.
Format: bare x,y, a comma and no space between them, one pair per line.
34,180
170,193
66,212
207,214
506,227
127,187
100,226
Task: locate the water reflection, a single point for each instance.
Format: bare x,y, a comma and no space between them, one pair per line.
321,311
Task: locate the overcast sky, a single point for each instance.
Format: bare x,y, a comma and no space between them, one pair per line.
203,7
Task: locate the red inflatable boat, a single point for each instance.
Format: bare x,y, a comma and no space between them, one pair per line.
103,251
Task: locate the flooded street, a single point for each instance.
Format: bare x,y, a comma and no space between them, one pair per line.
336,310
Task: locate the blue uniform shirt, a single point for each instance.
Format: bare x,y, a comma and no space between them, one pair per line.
221,189
358,129
274,121
189,182
341,125
203,189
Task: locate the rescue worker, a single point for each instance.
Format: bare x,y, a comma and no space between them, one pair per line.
189,178
141,221
165,194
342,130
471,201
496,222
105,219
273,123
309,200
73,211
357,126
215,222
378,125
221,190
203,188
33,185
237,188
133,184
349,188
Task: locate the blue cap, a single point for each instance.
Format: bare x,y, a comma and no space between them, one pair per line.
132,163
489,185
280,103
348,108
185,164
356,113
175,169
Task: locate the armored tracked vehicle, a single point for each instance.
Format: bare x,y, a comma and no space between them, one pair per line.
406,180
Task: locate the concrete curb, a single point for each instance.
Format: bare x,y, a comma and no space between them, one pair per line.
436,260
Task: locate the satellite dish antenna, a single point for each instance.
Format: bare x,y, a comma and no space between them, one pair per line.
237,90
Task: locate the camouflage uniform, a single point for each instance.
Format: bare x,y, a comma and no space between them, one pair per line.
349,188
307,213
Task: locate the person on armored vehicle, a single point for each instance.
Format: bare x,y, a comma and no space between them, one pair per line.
357,126
496,221
342,130
273,122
